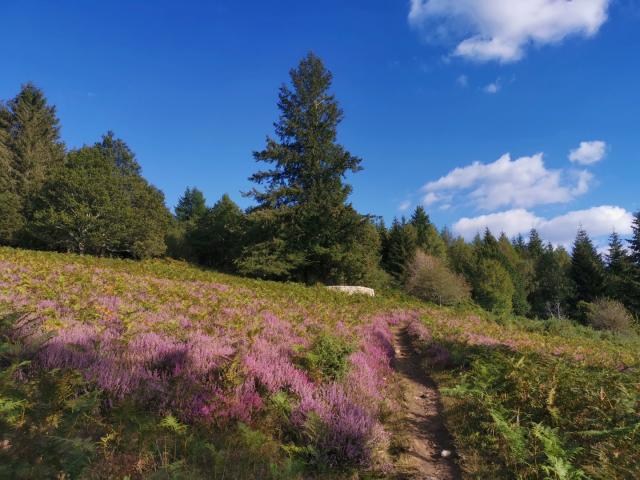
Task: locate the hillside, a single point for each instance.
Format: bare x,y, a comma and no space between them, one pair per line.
116,368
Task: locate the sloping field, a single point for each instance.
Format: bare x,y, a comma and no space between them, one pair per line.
157,369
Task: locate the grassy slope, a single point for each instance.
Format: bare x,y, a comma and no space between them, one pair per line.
540,399
530,399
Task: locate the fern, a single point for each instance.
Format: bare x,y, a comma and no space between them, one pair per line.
514,435
559,466
173,424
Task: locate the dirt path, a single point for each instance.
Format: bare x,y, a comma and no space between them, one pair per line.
424,432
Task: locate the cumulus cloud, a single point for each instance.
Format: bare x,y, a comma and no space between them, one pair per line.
588,153
501,30
560,230
524,182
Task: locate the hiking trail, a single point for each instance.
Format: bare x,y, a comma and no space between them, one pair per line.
423,428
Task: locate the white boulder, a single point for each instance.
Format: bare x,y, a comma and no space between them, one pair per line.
351,290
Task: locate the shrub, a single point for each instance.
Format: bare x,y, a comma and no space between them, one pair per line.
608,314
430,279
327,357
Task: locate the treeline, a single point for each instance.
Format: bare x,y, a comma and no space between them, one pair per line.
525,277
301,227
87,200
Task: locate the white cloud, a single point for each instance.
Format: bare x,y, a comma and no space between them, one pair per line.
510,222
524,182
430,198
560,230
404,206
463,81
502,29
493,87
588,153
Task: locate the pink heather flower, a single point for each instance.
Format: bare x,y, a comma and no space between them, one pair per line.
419,331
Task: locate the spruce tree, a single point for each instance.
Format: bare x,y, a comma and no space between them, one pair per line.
427,237
11,217
307,227
633,280
587,269
619,270
401,248
34,139
192,205
535,247
634,242
519,244
217,238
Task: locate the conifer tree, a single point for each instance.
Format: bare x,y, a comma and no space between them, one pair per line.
535,247
634,242
307,227
427,237
11,217
402,246
519,244
217,238
587,269
192,205
34,139
619,270
633,280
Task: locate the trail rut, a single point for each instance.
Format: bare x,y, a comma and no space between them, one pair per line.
423,428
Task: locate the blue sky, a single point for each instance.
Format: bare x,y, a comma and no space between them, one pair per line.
427,86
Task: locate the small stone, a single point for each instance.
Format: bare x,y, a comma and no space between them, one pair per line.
445,453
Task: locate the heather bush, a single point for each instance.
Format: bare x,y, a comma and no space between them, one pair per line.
430,279
608,314
43,414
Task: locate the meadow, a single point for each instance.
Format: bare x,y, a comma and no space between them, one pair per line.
159,369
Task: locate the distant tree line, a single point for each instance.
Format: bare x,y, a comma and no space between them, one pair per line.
302,227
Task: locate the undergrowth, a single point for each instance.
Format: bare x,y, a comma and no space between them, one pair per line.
532,412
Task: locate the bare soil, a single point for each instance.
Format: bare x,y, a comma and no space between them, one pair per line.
424,433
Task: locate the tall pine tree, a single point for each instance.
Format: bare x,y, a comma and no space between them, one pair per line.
308,228
634,242
191,205
11,217
619,270
401,247
633,285
34,139
427,237
587,269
